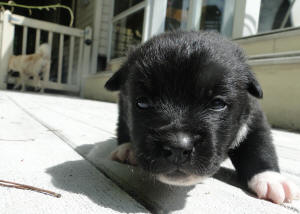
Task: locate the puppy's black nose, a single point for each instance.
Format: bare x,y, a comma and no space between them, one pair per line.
179,150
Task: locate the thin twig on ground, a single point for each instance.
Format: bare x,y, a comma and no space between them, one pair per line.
27,187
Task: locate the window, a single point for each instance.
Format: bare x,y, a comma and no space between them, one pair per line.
200,15
134,21
127,26
232,18
127,32
218,16
278,14
177,15
122,5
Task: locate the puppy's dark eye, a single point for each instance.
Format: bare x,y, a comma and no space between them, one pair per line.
142,103
218,105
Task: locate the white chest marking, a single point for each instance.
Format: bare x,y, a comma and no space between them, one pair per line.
241,135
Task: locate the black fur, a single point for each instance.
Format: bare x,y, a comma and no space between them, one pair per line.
181,73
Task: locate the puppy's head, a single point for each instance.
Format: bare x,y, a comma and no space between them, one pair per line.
187,98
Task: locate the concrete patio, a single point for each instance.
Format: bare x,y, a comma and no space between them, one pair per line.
49,141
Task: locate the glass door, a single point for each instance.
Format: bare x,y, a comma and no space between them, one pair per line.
127,26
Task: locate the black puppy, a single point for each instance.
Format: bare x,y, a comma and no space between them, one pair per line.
188,100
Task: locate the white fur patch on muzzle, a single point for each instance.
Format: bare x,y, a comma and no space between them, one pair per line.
182,181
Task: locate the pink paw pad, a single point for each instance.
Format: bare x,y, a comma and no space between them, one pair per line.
274,187
124,154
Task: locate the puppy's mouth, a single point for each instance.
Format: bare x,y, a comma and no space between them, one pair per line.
176,174
179,177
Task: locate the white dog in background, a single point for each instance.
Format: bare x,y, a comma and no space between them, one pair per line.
31,65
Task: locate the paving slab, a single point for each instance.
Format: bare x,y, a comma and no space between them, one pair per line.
89,128
32,154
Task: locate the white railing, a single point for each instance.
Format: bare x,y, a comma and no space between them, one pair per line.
77,57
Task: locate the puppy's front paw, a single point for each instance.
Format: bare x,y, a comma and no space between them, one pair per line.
124,154
274,187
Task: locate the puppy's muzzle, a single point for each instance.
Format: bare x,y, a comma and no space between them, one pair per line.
179,148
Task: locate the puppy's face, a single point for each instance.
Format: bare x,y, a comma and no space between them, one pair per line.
186,100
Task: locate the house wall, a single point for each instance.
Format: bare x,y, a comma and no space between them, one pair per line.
275,58
270,43
85,17
1,25
106,16
281,87
84,14
94,88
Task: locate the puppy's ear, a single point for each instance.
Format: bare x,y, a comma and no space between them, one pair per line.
117,79
254,87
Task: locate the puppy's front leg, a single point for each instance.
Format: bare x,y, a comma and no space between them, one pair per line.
256,163
124,154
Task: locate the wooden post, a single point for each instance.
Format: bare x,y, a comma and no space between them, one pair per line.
1,29
246,18
8,32
85,58
79,63
96,35
194,14
50,40
37,39
24,40
71,57
60,57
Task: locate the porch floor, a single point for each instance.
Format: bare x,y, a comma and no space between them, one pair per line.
50,141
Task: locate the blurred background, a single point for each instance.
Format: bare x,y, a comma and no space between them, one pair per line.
85,54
